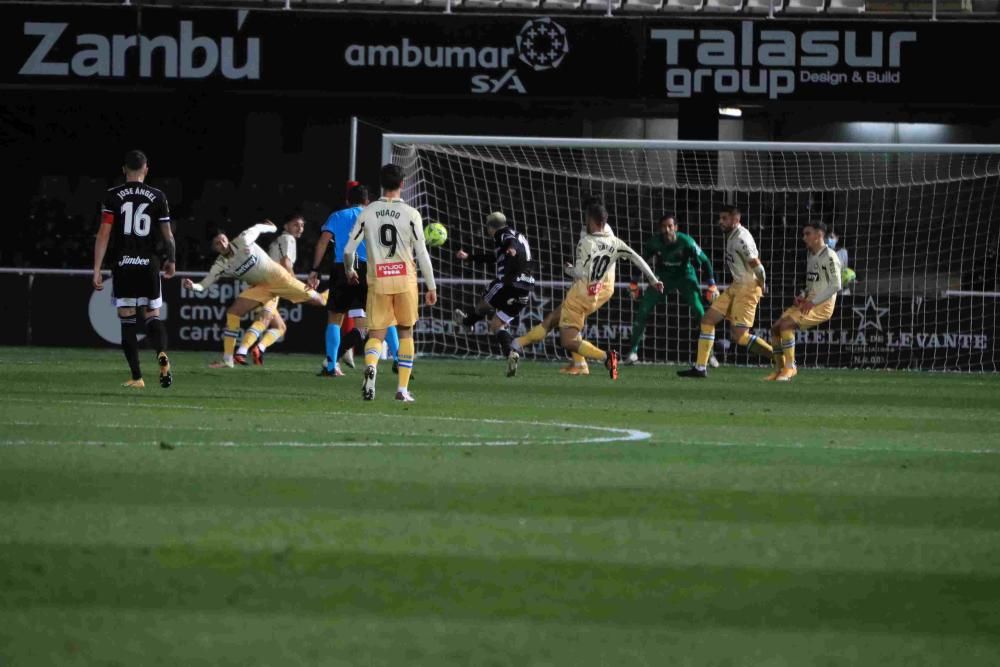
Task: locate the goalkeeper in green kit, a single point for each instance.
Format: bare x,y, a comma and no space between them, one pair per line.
673,257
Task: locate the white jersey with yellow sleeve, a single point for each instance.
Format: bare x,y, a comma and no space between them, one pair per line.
822,276
740,249
282,247
248,261
393,233
596,255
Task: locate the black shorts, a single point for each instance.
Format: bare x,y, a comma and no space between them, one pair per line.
508,300
136,285
345,297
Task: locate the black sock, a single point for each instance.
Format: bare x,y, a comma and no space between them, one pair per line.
351,340
157,333
130,345
471,319
505,338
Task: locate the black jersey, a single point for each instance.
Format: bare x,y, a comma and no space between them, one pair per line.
135,212
517,270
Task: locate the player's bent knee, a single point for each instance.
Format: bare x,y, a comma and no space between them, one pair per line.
126,312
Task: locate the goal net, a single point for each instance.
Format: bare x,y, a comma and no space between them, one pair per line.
919,225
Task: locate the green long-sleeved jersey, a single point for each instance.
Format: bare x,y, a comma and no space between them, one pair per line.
677,261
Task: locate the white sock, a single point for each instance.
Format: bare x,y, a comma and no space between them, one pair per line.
227,358
242,350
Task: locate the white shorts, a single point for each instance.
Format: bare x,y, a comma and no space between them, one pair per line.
138,301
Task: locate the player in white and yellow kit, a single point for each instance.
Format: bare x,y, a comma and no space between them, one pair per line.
268,326
738,303
812,308
578,363
242,258
393,233
596,254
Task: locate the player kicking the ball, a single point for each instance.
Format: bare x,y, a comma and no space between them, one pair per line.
393,233
596,254
738,303
242,258
578,363
510,291
814,307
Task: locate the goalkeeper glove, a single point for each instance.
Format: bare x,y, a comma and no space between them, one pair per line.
633,288
711,292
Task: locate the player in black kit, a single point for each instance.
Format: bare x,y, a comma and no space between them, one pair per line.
135,218
509,292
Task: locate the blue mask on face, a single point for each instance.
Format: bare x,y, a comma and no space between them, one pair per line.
832,243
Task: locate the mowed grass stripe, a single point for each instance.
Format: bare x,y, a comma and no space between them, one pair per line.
499,587
617,540
231,637
817,471
595,501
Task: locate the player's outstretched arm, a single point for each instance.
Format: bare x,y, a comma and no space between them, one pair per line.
213,276
638,261
250,234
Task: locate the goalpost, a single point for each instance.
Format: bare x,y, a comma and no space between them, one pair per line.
920,224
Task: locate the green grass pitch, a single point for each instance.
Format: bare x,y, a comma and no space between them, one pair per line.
241,517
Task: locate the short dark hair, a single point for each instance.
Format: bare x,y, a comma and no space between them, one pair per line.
731,209
818,225
597,211
391,177
591,201
358,194
667,216
294,216
135,160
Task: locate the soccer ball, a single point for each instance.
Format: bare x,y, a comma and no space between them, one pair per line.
436,234
847,276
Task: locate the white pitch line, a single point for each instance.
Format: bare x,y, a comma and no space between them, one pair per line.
631,435
617,434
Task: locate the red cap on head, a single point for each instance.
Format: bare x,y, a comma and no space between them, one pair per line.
350,184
